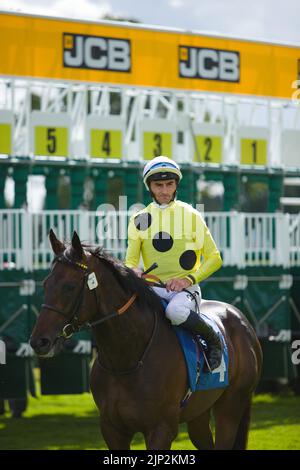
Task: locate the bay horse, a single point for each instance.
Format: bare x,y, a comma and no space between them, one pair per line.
139,376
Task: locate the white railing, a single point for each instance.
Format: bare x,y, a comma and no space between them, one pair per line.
294,239
95,228
12,239
266,239
243,239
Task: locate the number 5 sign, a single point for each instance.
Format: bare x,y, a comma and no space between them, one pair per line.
51,141
50,134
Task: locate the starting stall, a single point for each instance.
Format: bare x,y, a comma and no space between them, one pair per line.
75,132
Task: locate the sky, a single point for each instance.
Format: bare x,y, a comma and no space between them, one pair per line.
271,20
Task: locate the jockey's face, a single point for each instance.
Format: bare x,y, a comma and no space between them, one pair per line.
163,191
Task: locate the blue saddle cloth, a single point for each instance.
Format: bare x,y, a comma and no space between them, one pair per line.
193,352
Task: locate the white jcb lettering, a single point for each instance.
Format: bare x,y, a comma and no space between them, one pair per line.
210,64
118,55
229,66
99,45
98,53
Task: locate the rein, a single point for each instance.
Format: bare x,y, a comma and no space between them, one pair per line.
140,362
158,283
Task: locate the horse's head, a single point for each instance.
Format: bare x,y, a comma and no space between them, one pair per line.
65,302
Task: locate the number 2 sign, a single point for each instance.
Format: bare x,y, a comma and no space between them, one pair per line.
208,150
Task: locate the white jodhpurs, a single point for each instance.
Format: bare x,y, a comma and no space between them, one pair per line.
180,303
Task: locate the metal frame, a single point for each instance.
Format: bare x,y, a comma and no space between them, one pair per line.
132,105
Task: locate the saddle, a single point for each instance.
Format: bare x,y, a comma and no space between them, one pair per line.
194,348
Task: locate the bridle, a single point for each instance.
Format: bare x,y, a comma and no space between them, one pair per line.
70,328
73,326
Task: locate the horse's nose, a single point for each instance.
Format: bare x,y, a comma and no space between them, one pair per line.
40,345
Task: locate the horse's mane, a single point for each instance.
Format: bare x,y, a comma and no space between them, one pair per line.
128,280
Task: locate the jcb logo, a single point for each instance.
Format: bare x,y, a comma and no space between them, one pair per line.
98,53
209,64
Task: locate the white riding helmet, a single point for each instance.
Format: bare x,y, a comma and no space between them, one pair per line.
163,168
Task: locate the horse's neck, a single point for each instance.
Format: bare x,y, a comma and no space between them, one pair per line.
122,340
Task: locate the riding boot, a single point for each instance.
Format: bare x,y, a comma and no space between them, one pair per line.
196,324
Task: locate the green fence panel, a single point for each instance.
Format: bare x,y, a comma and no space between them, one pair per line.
16,320
265,302
277,362
220,287
65,374
295,301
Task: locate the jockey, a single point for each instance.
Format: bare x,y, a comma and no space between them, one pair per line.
174,235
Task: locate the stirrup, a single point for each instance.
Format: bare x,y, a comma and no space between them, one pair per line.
213,363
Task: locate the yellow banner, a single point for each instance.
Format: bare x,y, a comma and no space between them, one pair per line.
49,48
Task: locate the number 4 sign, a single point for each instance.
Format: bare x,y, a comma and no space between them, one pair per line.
105,137
106,143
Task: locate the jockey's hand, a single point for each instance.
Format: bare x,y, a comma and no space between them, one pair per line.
137,271
177,285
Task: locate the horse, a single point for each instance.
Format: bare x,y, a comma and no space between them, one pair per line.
139,376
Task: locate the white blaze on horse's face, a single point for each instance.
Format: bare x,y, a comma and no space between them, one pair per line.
92,281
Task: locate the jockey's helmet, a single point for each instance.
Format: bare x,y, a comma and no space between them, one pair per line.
161,168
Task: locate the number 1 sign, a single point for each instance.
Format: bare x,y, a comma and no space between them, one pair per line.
252,145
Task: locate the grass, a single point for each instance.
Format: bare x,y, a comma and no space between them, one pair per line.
71,422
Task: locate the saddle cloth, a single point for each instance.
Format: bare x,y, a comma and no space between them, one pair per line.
193,346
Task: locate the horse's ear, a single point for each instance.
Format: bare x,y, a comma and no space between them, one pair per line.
57,246
76,245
